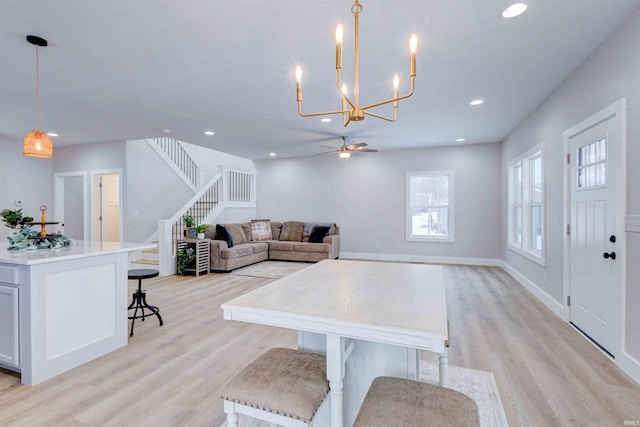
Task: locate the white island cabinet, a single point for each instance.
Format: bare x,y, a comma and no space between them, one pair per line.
60,308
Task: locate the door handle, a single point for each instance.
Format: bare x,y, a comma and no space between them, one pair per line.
611,255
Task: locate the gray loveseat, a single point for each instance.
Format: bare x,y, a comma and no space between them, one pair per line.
289,242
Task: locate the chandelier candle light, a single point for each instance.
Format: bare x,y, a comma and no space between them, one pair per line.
354,112
37,143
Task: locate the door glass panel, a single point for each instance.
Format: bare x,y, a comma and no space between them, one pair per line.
592,164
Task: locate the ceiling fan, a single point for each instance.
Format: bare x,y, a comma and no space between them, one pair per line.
346,150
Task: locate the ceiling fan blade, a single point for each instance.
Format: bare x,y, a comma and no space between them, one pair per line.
366,150
326,146
360,144
326,152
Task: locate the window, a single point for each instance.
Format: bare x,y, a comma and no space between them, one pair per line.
430,206
526,204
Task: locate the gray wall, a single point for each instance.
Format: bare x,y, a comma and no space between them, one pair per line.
24,178
365,196
610,73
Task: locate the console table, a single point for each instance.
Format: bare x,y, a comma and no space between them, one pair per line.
202,250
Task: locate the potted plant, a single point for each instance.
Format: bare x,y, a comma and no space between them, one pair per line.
190,231
185,257
201,229
14,219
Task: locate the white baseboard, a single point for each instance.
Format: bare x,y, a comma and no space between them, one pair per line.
421,258
562,311
629,365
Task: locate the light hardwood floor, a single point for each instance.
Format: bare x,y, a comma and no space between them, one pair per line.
547,374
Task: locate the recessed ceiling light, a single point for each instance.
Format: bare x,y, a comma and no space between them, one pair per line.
326,120
514,10
52,134
166,130
272,154
477,102
460,140
209,132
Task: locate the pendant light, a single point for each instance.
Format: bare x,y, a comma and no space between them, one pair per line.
37,143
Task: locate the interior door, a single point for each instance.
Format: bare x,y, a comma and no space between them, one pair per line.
108,207
595,251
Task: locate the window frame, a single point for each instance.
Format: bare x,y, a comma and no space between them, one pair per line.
450,237
526,202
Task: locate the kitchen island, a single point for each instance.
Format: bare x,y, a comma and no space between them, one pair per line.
60,308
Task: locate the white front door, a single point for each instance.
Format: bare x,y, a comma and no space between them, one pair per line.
596,252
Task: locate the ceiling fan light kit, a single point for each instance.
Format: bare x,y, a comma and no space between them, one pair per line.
37,143
351,109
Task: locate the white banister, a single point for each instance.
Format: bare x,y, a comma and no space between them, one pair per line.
229,188
172,151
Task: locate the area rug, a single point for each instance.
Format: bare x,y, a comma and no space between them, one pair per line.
271,269
479,385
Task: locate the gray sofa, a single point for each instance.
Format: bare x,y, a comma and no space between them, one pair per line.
290,242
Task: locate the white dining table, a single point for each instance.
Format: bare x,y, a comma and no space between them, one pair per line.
369,318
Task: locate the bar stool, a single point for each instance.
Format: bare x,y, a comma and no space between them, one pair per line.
140,297
401,402
282,386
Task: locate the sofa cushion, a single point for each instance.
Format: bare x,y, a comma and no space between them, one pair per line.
210,233
292,231
258,247
261,230
223,234
236,252
246,229
237,233
276,227
281,246
319,232
311,247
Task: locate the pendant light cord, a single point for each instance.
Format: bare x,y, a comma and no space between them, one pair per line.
37,89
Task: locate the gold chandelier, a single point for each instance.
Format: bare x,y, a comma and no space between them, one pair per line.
354,112
37,143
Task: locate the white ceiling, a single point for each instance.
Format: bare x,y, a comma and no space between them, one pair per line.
127,69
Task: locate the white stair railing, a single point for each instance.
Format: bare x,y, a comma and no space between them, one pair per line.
229,188
179,159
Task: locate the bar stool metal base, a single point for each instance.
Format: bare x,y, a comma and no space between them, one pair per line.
139,300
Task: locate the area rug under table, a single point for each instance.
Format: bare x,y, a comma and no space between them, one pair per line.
479,385
271,269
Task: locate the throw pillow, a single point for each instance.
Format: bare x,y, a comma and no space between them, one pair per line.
223,234
292,231
236,232
319,232
261,229
275,230
246,228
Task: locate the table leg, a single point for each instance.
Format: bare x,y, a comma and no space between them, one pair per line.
444,363
335,375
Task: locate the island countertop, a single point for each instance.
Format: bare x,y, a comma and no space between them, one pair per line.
81,249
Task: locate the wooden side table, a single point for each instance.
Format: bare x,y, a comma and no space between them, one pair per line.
202,247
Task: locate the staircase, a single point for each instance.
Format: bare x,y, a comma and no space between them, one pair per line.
229,188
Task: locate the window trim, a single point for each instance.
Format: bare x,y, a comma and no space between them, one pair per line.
451,219
526,203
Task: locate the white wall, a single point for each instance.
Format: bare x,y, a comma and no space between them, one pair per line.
208,160
91,157
610,73
366,197
24,178
154,191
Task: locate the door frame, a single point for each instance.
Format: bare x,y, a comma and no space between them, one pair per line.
58,198
618,108
94,174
